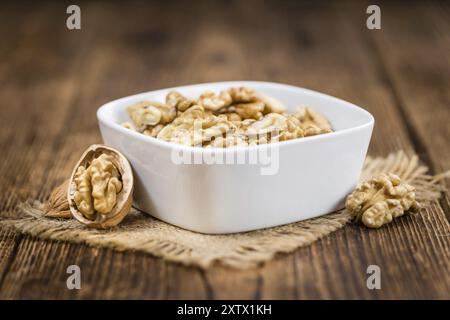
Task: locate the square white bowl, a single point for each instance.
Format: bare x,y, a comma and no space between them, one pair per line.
314,174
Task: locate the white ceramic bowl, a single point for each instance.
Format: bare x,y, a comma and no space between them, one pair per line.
312,177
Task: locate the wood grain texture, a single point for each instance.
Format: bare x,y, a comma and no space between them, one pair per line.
52,81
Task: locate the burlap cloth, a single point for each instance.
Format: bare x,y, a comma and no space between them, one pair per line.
141,232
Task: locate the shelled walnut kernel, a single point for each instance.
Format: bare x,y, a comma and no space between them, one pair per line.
379,200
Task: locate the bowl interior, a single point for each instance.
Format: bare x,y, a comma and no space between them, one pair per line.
342,115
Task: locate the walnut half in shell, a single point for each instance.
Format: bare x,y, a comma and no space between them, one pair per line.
101,187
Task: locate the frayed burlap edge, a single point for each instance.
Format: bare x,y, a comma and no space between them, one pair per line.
140,232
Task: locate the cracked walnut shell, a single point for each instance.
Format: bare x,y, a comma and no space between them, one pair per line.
100,187
57,205
379,200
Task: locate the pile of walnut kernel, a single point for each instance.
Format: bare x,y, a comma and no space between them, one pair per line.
234,117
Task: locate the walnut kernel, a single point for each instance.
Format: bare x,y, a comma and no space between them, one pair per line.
210,101
312,122
379,200
176,100
147,114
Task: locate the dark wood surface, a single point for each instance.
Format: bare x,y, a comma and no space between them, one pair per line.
52,80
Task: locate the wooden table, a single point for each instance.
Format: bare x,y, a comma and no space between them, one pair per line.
53,80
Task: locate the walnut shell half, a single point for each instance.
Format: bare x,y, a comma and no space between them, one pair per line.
100,187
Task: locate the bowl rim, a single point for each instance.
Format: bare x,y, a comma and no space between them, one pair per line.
104,119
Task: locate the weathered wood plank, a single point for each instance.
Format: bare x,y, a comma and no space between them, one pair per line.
8,250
